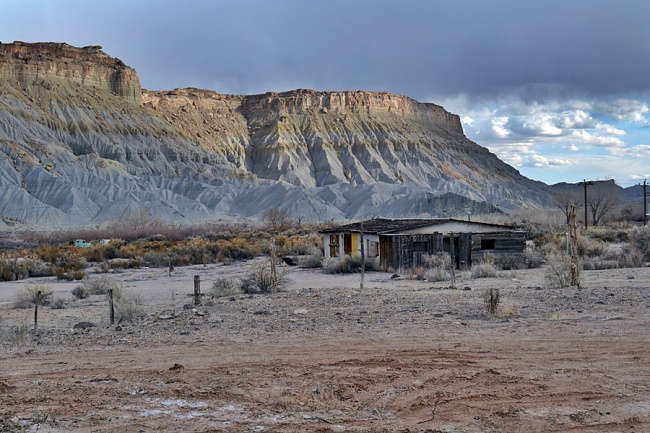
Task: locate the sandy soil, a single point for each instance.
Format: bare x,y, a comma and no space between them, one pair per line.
400,356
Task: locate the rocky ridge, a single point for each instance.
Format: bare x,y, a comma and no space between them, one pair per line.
82,143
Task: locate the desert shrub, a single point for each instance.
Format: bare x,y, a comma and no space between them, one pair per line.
558,270
155,259
344,265
18,335
608,234
639,238
225,287
311,261
438,273
68,260
485,268
28,296
491,299
18,268
416,273
130,263
238,249
101,285
508,261
631,257
128,306
80,292
438,265
59,303
533,257
596,248
260,280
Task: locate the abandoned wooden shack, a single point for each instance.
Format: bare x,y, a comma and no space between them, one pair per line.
399,244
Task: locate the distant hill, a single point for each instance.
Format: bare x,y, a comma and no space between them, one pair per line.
81,143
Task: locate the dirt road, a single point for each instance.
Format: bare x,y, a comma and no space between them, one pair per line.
401,356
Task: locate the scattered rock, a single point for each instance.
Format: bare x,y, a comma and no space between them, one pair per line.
300,311
83,325
177,367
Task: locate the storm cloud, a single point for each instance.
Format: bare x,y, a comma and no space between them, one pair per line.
472,56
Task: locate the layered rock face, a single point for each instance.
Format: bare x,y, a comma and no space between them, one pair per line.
35,64
82,144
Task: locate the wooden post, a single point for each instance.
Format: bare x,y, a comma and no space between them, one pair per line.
111,309
38,300
573,238
197,289
171,268
274,272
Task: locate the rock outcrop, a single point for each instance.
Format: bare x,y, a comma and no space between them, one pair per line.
35,64
81,143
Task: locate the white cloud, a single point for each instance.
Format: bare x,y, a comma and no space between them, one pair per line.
571,138
539,161
499,127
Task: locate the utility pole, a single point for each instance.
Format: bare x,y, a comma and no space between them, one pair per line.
585,183
645,204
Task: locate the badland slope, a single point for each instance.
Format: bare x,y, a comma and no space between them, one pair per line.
81,143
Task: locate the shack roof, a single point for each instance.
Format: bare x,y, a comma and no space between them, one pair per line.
388,226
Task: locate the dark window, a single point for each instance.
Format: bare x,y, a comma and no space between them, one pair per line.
420,247
347,244
487,244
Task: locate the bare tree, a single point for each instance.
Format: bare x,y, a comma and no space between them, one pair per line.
602,199
277,219
565,197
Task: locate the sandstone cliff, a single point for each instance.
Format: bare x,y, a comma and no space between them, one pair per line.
82,143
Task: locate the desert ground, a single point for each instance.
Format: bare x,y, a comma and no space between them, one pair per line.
401,355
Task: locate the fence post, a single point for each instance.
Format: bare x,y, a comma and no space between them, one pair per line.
197,289
111,310
38,300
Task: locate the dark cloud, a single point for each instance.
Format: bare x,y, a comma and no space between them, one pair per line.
418,48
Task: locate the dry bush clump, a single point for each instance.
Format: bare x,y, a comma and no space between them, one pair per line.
128,306
59,303
640,239
100,285
485,268
80,292
225,287
533,257
19,267
262,280
438,267
32,293
344,265
313,260
558,270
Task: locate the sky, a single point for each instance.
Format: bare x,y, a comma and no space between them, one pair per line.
559,89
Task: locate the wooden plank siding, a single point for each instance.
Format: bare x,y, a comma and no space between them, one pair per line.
401,252
504,244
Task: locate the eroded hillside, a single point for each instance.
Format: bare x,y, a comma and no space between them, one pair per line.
81,143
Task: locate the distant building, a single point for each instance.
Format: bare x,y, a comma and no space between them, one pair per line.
400,244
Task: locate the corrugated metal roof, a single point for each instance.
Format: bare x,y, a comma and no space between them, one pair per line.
385,225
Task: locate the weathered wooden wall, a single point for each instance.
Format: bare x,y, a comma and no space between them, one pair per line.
505,244
398,253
